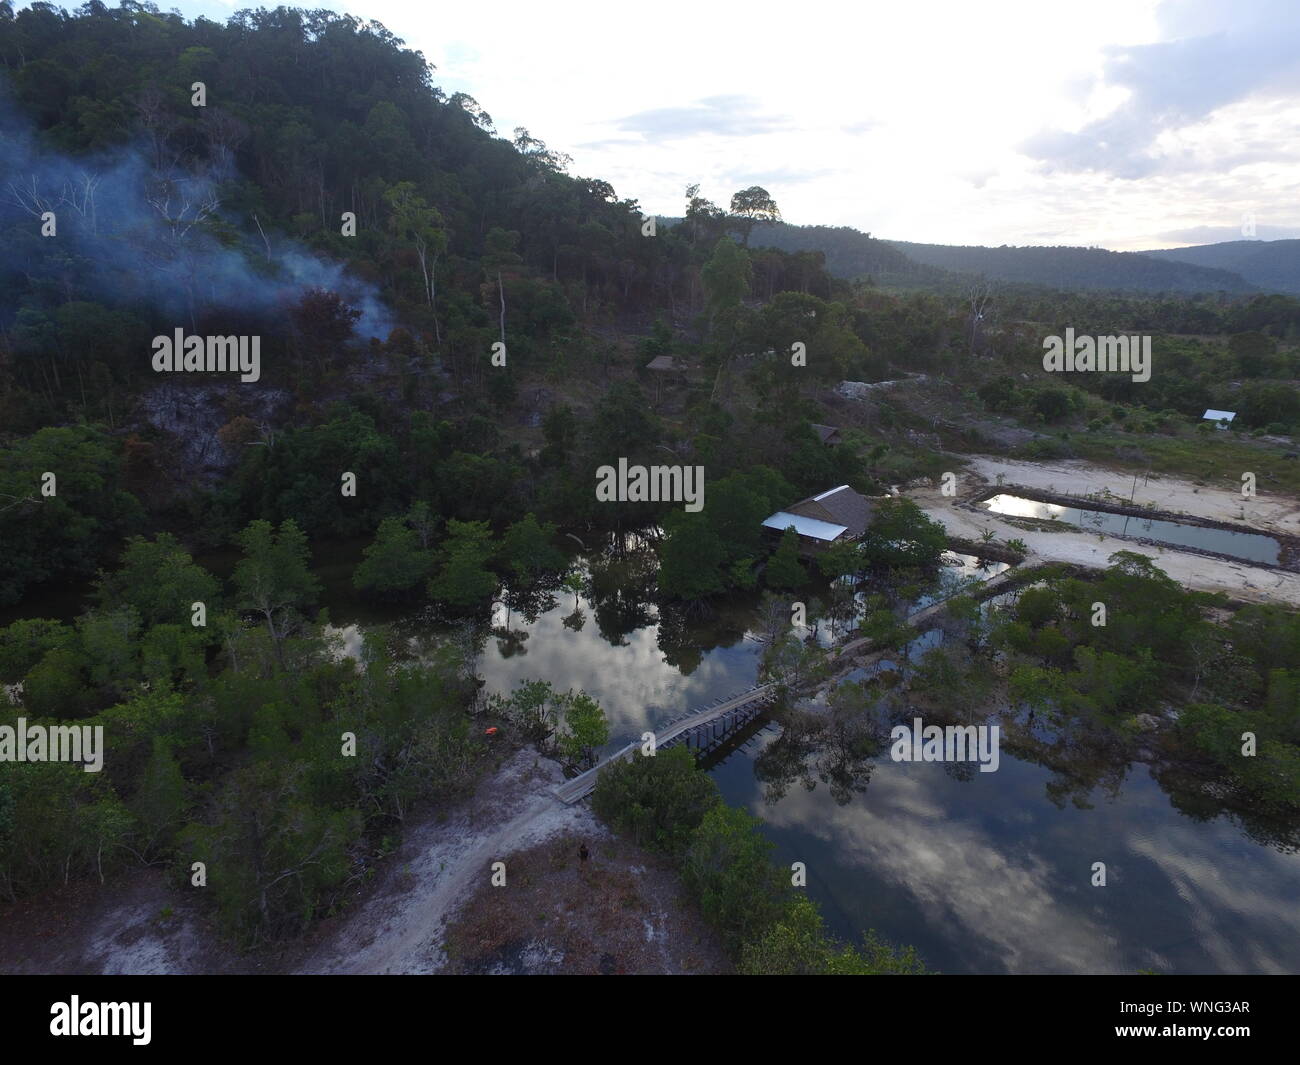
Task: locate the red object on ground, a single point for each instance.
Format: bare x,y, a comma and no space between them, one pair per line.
491,732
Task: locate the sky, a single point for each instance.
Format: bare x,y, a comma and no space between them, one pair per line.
1125,124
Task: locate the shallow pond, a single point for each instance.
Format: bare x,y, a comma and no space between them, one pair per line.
1250,547
986,874
982,874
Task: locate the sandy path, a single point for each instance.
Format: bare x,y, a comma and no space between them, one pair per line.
399,929
1239,579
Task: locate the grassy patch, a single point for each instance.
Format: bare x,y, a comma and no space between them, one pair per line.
1219,459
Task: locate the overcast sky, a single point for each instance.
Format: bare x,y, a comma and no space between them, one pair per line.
1121,123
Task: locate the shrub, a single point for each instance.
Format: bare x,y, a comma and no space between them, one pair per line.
728,869
658,802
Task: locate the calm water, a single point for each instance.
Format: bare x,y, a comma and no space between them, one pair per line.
987,875
984,874
1250,547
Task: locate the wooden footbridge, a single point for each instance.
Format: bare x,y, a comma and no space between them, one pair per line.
707,725
698,728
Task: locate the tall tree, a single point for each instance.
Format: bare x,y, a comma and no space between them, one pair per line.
160,579
395,562
423,226
274,577
585,728
704,217
690,558
528,548
499,254
784,570
726,276
751,206
464,581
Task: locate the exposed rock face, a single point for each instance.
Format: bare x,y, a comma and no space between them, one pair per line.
863,389
192,412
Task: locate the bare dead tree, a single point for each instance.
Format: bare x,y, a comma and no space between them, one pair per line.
183,204
27,196
265,241
14,501
79,194
223,134
159,124
980,297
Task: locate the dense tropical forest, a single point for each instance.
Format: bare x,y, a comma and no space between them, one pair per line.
459,329
377,361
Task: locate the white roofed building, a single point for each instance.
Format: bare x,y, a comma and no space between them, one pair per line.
833,516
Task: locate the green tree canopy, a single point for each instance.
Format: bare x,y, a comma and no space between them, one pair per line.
394,561
464,581
784,570
274,578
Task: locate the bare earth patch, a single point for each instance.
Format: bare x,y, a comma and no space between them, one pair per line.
135,924
140,923
1265,512
1238,579
399,927
620,911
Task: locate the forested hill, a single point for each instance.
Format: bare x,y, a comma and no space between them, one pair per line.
307,115
850,253
379,239
322,163
1075,268
1271,265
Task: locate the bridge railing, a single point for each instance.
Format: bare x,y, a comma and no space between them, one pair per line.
585,781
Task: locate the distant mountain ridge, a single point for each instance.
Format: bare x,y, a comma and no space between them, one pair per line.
1272,265
851,254
1077,268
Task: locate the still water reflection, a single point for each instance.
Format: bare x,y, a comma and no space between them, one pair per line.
1251,547
986,875
983,873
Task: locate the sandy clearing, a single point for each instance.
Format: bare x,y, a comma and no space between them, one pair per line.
400,928
142,924
1173,494
138,923
1238,579
136,943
